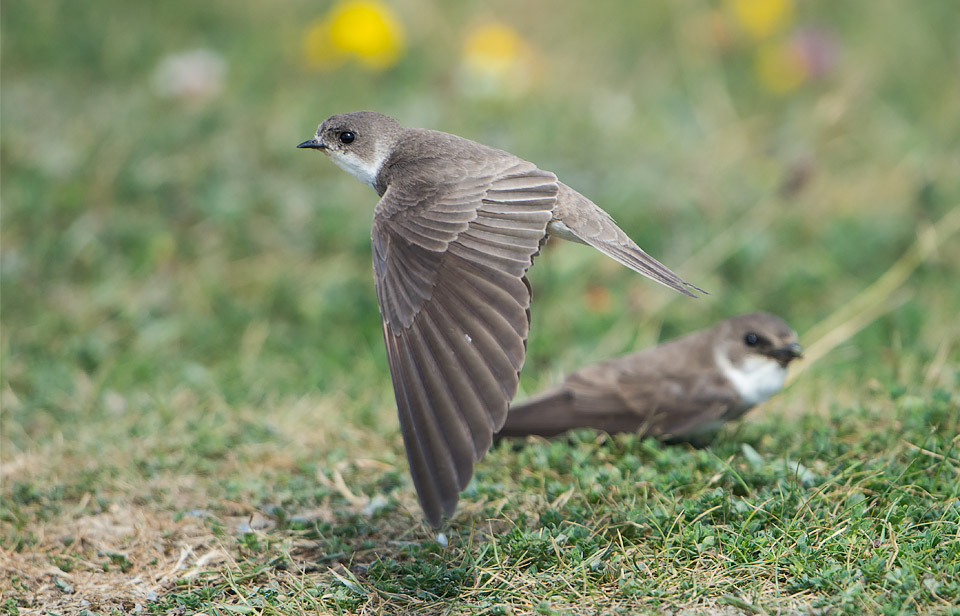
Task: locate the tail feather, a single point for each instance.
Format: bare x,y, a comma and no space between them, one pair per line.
546,414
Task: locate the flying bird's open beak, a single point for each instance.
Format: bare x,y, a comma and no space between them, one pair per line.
314,143
788,353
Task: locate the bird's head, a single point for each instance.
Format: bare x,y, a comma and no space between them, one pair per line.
357,142
753,351
765,336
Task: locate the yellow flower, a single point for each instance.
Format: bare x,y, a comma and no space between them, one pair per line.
364,30
779,68
496,60
493,48
762,18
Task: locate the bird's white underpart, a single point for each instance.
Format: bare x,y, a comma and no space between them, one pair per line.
756,379
365,171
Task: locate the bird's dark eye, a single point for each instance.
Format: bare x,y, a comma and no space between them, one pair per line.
347,137
751,339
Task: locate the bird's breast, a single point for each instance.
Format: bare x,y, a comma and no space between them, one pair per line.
756,379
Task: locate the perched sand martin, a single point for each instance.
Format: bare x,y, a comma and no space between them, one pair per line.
680,390
456,229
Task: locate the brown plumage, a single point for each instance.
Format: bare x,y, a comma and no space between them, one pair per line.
456,229
678,390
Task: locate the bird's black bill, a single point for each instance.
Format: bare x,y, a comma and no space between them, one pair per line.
313,144
787,353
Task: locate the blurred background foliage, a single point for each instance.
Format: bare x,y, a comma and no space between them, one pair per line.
160,233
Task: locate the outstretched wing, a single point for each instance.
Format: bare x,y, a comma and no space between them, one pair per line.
449,263
582,220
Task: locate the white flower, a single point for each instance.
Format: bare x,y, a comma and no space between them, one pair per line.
190,75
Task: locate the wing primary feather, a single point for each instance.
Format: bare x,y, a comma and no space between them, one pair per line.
485,390
500,361
643,263
502,318
420,468
443,408
450,260
496,290
440,468
398,289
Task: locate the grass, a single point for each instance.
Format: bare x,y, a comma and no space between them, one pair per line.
825,517
196,412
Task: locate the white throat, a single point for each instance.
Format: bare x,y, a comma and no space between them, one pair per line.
364,171
756,379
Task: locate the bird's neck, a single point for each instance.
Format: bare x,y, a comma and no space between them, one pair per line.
755,378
